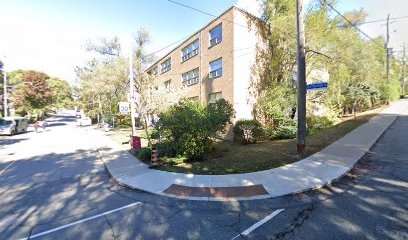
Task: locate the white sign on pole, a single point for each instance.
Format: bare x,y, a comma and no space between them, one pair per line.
124,108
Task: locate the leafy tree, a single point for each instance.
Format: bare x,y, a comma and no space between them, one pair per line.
142,81
1,92
191,126
35,96
359,95
272,73
61,93
15,77
104,80
333,45
105,46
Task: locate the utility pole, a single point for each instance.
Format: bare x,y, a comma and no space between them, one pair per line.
131,93
301,77
387,44
403,70
5,90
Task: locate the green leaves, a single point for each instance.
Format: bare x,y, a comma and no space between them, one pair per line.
360,95
248,131
333,46
61,93
35,94
191,126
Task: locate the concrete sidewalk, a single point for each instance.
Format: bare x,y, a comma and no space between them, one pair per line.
316,171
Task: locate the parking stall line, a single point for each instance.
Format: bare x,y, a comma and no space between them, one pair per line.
7,167
80,221
258,224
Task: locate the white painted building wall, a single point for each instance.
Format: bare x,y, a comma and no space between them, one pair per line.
245,40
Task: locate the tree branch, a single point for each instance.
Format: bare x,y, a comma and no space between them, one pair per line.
319,53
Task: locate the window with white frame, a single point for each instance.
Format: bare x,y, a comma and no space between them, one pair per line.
213,97
216,68
191,77
155,71
215,35
190,51
167,85
165,66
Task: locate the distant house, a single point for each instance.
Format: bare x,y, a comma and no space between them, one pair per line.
214,62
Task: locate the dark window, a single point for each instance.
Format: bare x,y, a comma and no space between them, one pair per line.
191,77
216,68
165,66
215,35
190,51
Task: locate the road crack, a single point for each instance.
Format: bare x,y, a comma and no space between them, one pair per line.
111,228
297,222
31,232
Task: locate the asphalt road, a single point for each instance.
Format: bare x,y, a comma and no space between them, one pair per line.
54,186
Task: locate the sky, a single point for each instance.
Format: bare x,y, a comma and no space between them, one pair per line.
49,35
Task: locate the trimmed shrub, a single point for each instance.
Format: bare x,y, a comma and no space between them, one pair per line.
144,154
191,126
315,123
284,128
285,132
166,148
248,131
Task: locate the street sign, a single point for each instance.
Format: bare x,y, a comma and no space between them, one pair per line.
316,86
124,108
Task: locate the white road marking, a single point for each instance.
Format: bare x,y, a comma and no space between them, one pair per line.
258,224
80,221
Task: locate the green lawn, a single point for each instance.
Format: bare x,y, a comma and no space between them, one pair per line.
230,157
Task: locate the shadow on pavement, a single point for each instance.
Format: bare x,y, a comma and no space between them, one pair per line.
55,124
44,192
368,203
6,140
48,191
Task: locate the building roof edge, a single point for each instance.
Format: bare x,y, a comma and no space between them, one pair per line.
191,35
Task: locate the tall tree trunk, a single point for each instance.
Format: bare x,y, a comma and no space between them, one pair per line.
354,111
100,106
110,105
147,131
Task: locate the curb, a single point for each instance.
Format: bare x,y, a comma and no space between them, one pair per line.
334,180
255,197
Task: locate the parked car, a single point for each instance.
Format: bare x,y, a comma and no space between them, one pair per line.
13,125
78,114
106,127
86,121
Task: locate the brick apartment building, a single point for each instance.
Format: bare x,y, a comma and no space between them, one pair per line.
215,62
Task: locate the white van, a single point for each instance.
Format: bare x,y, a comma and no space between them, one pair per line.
13,125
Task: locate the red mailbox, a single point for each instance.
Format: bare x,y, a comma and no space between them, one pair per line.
135,142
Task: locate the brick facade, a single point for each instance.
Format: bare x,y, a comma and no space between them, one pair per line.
234,80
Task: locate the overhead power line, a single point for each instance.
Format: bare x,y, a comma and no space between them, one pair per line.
352,24
195,9
382,20
171,44
212,15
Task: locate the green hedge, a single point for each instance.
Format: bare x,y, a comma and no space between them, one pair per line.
315,123
144,154
191,127
248,131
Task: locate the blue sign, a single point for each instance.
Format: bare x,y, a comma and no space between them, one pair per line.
316,86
